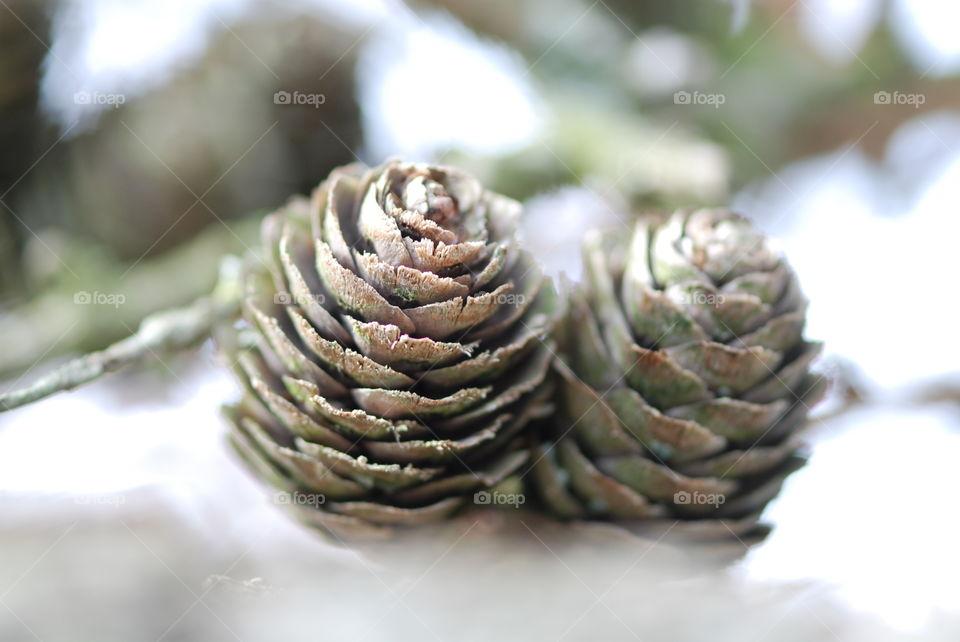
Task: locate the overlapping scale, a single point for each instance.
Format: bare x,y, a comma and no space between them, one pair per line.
683,376
401,346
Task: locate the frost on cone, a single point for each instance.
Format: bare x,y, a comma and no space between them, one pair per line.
684,378
392,349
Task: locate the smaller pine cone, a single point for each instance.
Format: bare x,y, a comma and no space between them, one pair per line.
394,347
684,378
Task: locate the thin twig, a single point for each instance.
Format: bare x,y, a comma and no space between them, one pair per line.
163,332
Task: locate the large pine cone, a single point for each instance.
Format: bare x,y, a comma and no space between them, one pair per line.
395,348
685,377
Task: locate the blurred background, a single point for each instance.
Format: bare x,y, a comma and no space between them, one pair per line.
141,141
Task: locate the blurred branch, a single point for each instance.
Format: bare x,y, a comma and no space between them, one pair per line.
52,324
938,392
163,332
778,94
588,141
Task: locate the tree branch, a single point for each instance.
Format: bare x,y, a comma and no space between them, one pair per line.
163,332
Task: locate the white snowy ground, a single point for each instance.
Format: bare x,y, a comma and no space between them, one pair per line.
131,520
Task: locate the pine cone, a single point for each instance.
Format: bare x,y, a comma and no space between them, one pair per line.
685,377
395,348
